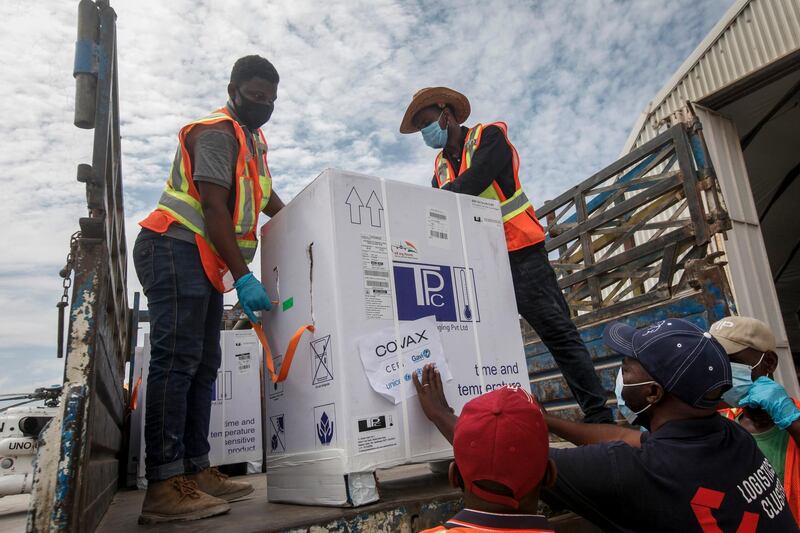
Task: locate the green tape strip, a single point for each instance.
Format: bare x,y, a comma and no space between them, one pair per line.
288,303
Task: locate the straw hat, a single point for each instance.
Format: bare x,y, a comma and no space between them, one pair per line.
441,96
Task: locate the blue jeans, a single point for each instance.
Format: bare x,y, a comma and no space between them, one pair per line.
185,355
541,302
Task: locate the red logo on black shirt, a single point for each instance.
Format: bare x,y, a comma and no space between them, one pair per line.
705,500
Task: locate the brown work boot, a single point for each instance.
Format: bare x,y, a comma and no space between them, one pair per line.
215,483
177,499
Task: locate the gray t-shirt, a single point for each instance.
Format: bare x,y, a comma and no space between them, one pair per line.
214,161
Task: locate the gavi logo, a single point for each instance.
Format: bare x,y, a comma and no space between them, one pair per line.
439,290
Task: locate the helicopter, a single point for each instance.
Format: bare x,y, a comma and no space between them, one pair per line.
21,424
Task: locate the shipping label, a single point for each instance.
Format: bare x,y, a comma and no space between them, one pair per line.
375,267
437,228
485,211
375,433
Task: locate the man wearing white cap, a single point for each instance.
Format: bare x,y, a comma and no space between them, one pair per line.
481,161
759,404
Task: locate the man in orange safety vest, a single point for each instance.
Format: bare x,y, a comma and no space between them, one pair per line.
192,248
481,161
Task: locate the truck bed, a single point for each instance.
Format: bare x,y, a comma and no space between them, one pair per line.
412,499
409,494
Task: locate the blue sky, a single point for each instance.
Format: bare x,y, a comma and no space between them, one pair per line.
569,78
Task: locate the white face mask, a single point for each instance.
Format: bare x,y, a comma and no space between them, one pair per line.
624,410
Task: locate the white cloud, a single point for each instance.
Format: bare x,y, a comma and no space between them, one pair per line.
568,77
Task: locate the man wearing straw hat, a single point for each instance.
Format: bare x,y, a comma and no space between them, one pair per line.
481,161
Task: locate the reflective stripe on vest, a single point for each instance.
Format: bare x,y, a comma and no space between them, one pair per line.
180,200
514,205
522,231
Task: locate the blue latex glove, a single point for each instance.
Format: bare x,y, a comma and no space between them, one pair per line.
252,295
772,398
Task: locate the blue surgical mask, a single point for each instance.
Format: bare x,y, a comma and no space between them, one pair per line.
624,410
742,378
434,135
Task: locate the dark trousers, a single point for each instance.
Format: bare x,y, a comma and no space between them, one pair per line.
185,316
541,302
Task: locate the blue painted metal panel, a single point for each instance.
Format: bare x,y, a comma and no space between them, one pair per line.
701,307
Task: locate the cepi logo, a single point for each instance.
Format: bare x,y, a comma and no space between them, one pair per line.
443,291
325,429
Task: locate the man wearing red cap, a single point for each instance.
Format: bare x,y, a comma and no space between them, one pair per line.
481,161
501,462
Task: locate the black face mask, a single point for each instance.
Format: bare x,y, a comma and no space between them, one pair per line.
252,114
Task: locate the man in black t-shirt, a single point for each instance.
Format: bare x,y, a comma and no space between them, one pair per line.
693,471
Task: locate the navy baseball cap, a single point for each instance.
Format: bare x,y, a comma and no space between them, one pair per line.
687,361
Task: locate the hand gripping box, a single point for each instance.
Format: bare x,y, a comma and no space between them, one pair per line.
391,275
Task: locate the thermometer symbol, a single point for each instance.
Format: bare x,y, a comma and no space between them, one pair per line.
467,309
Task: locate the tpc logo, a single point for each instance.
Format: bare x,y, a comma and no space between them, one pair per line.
425,290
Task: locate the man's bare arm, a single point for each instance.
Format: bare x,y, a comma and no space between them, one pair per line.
580,433
274,205
219,226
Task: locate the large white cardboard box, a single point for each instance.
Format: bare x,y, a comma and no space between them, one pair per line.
235,430
366,260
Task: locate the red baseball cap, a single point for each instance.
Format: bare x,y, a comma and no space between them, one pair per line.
501,436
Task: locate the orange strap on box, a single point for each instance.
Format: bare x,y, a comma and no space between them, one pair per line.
135,394
277,377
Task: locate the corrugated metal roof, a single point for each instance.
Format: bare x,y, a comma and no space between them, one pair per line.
751,35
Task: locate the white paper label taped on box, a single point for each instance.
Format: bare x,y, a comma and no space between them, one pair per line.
389,362
368,261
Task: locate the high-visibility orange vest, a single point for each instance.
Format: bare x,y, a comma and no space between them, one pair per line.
521,226
791,466
180,201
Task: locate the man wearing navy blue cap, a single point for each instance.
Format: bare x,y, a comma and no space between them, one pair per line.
692,471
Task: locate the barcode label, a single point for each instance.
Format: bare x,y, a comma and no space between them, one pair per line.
375,267
438,228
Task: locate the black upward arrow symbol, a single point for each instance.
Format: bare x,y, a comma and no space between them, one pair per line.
355,204
375,209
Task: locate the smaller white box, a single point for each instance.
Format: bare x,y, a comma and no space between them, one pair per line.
235,430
